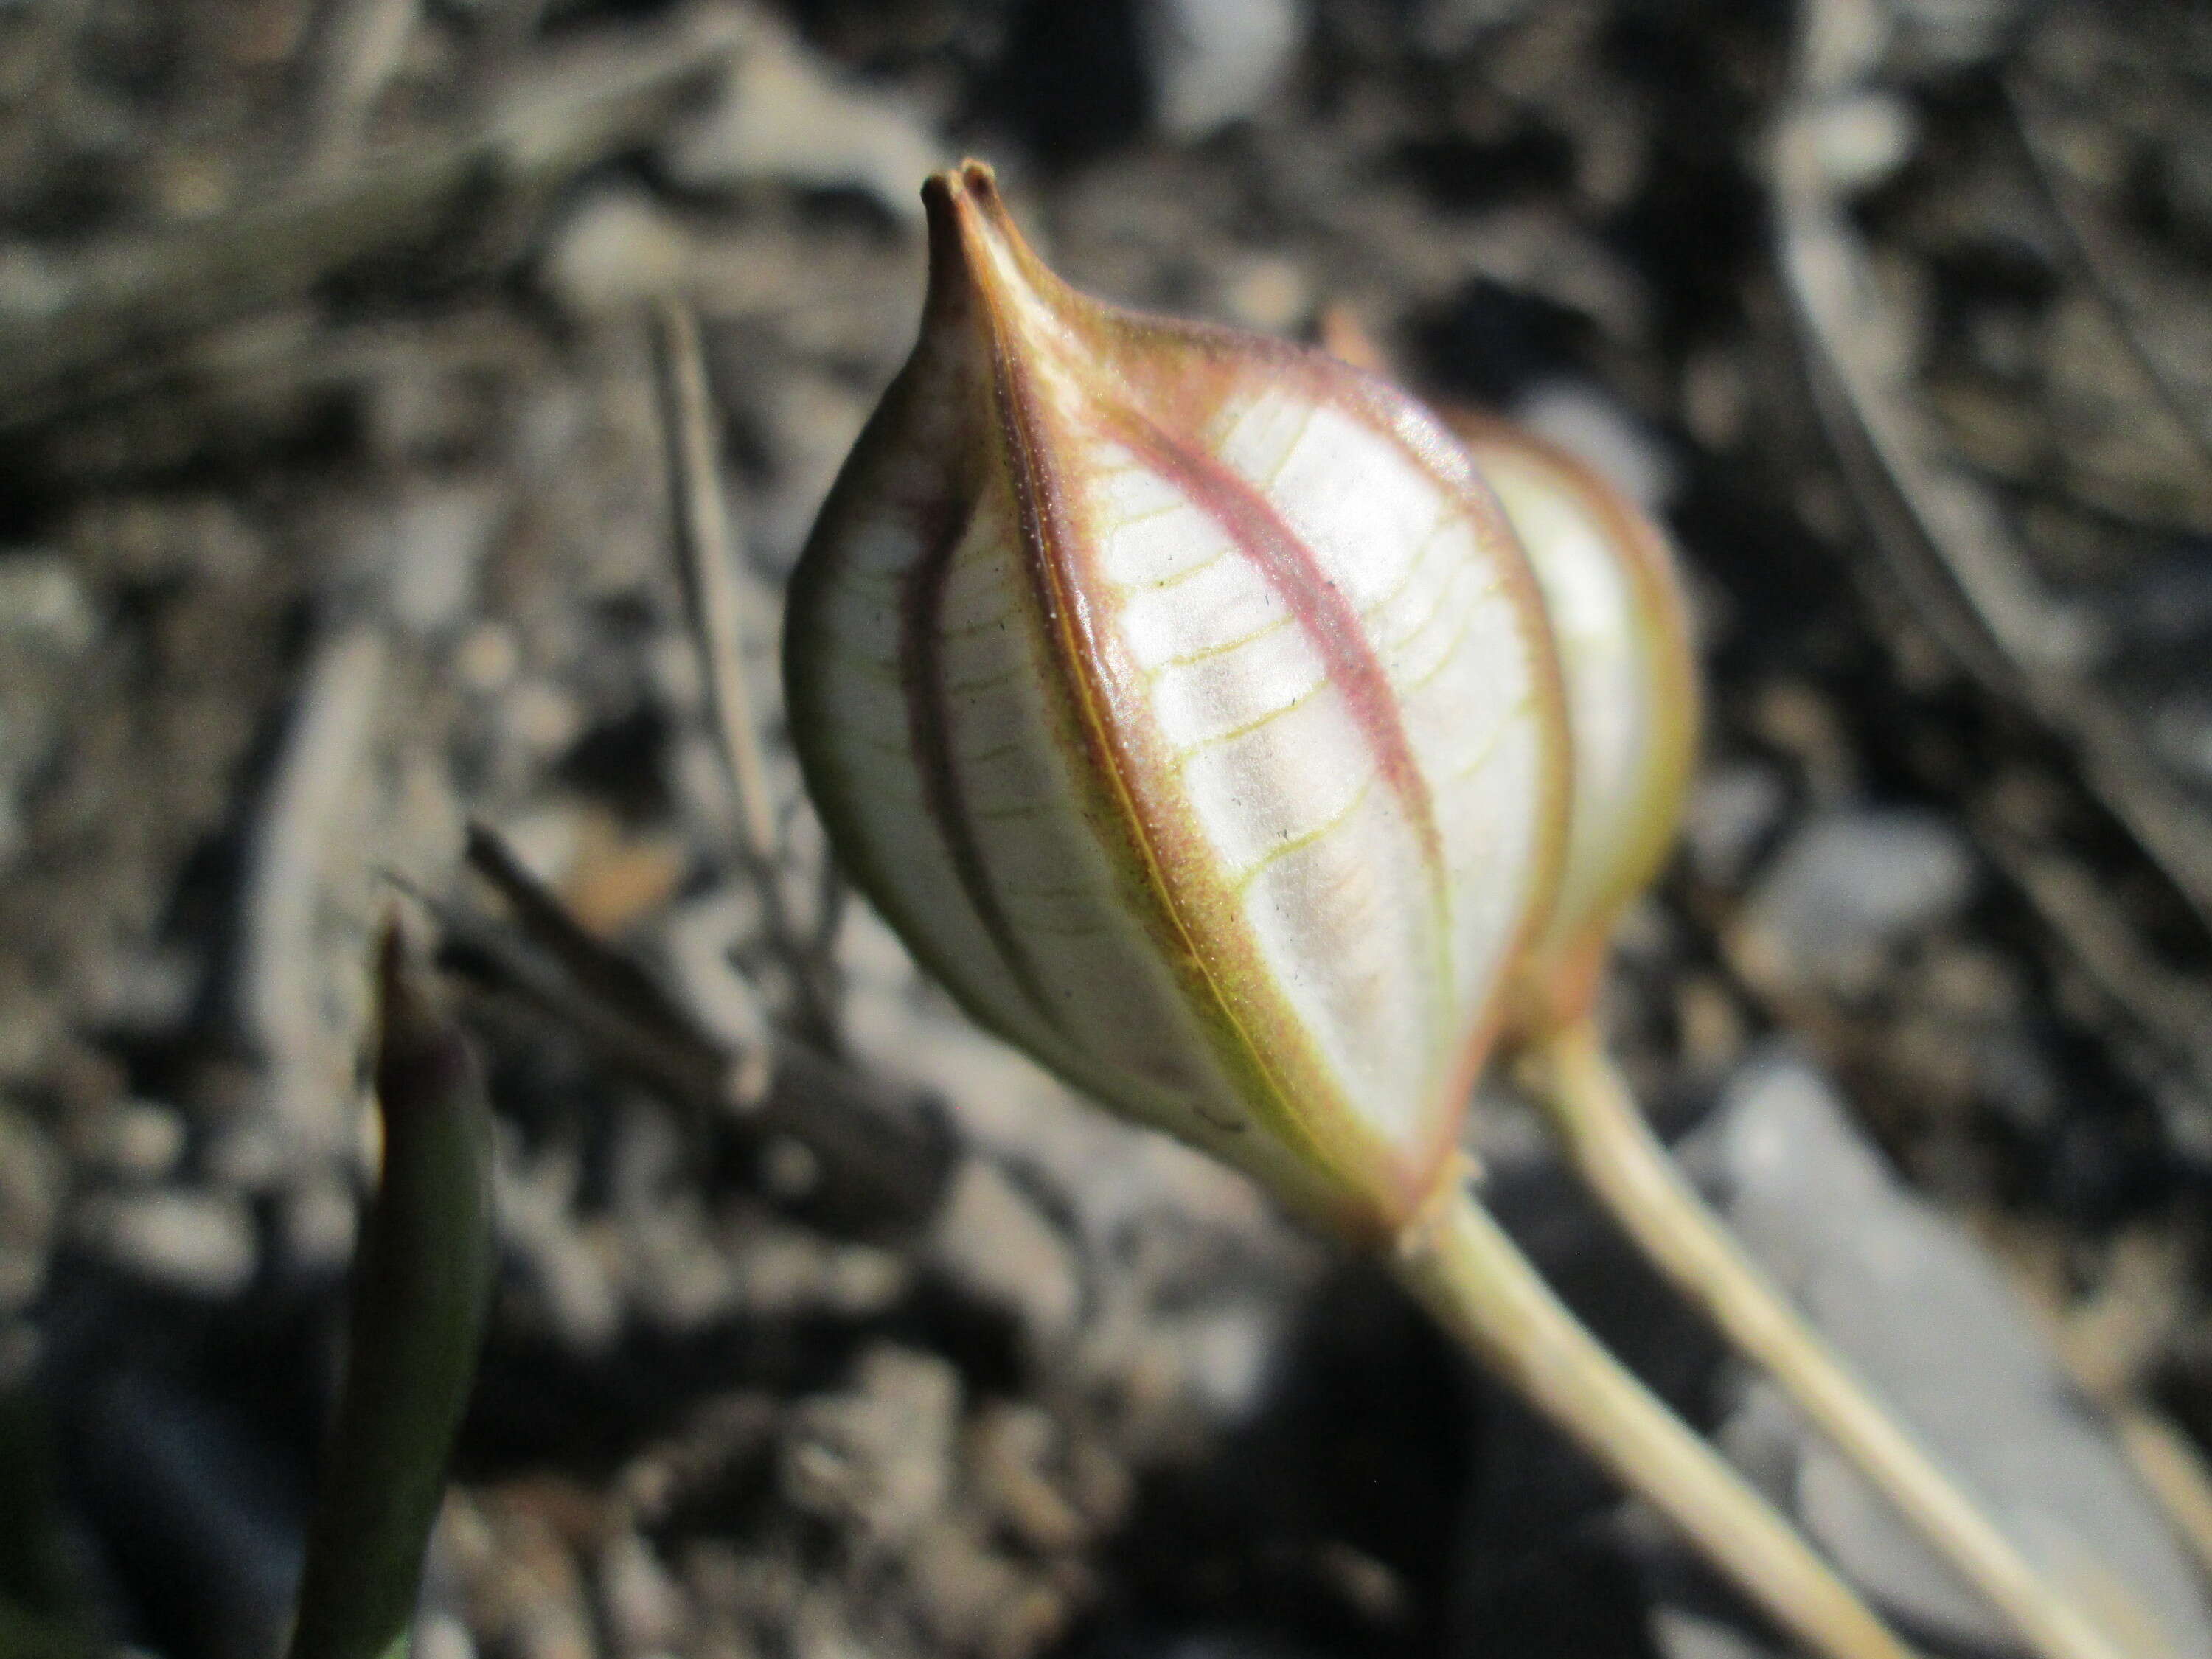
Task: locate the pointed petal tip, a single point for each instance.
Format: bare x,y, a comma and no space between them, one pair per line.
971,178
974,242
961,201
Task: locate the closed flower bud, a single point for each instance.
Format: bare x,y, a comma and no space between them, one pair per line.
1184,700
1632,687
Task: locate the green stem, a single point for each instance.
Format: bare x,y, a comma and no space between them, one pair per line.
1474,1279
421,1286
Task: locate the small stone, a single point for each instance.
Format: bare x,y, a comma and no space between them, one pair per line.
488,658
320,1221
43,603
789,1168
247,1155
138,1140
1371,1587
674,1274
880,1456
1715,394
672,665
699,941
1214,62
1011,1451
972,1599
860,1281
869,954
618,248
521,1572
783,115
645,1608
439,538
1271,296
571,1279
197,1241
441,1635
148,991
1972,982
1710,1023
1732,811
993,1242
545,842
1846,886
1216,1360
1680,1634
1862,139
541,718
1796,717
618,881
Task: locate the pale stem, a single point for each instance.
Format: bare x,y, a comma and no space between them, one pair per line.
1617,1155
1462,1265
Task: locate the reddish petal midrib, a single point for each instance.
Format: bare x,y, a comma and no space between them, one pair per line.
1323,612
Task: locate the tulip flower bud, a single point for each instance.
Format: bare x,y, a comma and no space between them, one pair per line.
1187,701
1183,699
1631,686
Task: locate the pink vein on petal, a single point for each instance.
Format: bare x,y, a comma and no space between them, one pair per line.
1321,610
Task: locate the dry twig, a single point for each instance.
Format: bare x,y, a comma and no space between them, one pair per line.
359,50
706,548
2090,244
1960,565
883,1158
99,325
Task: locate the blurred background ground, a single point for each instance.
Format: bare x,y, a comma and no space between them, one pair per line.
334,515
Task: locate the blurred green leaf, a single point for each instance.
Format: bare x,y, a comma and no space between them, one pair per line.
421,1284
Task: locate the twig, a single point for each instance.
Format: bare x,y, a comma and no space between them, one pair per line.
1860,367
2172,1009
706,548
359,49
607,975
112,305
2092,257
884,1155
1939,529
